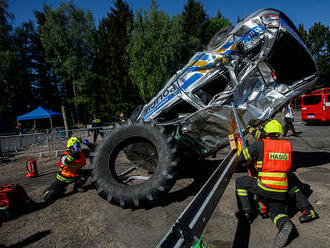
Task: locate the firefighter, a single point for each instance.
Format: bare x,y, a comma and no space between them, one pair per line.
295,196
122,118
71,162
272,160
97,129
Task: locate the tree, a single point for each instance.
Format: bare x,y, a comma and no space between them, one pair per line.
117,92
154,50
318,42
6,55
199,28
45,87
5,26
68,36
14,66
217,23
303,32
195,24
21,73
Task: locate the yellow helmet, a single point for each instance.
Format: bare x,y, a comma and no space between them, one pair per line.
72,141
273,126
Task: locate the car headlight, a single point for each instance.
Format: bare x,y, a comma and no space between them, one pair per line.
271,21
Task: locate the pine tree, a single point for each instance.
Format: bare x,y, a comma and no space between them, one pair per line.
199,28
303,32
14,66
318,42
116,90
218,22
46,92
195,22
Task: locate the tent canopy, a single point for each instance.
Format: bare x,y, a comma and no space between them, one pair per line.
38,113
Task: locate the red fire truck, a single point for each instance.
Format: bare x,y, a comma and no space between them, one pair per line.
316,106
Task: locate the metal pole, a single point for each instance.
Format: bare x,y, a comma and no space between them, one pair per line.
51,123
66,127
238,124
51,132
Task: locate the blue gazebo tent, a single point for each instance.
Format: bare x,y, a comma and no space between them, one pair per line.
39,113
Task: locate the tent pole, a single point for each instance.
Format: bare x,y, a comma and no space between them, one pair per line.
66,126
51,131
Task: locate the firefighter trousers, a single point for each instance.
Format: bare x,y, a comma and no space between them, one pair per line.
247,187
57,188
295,196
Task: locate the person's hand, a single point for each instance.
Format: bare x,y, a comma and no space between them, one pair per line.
91,146
86,142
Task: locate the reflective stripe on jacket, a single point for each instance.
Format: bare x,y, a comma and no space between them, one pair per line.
272,171
70,170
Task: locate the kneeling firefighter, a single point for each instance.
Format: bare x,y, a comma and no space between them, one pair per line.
271,158
71,162
295,196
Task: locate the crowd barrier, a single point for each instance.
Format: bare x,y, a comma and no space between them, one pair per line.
46,142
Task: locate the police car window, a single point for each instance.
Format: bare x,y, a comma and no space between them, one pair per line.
214,86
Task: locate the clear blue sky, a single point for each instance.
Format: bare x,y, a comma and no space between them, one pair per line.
304,12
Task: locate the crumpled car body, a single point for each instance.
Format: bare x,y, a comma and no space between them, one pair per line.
260,65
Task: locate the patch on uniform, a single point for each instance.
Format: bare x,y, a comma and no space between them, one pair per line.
278,156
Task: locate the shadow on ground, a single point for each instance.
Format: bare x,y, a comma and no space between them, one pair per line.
198,171
19,211
28,241
309,159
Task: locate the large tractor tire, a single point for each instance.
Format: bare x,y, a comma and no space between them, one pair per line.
134,164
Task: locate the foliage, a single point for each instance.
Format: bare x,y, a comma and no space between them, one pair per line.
5,26
154,50
303,32
15,66
318,42
103,72
218,22
44,84
68,36
117,93
198,27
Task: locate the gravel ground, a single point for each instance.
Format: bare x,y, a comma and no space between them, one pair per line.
86,220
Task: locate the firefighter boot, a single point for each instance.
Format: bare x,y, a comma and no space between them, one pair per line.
308,215
283,235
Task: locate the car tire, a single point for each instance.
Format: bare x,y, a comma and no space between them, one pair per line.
219,37
106,179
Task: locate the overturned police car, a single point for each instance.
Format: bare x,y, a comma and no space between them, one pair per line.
259,65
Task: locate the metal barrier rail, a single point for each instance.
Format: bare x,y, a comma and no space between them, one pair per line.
192,221
35,143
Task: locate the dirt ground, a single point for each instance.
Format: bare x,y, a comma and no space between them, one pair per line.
86,220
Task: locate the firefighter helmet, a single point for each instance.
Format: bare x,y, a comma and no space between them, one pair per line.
73,141
273,126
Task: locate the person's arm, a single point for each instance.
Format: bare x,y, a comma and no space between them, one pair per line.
257,133
66,160
249,154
